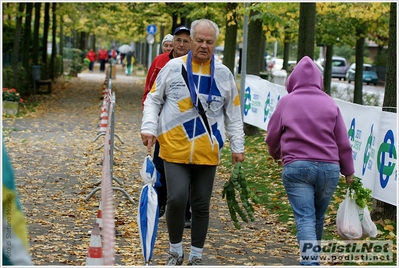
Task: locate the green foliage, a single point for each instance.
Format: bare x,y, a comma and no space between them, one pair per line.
71,53
8,37
76,57
11,94
237,182
22,83
58,65
381,58
8,78
25,77
344,51
361,195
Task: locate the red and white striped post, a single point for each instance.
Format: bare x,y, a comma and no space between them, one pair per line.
95,253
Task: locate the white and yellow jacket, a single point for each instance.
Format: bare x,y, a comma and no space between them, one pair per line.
169,114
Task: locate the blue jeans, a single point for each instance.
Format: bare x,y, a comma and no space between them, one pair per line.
310,186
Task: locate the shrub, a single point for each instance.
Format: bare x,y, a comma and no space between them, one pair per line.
22,83
76,56
11,94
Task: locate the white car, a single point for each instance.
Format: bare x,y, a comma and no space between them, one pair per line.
275,64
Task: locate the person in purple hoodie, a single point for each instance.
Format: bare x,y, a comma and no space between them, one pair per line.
307,133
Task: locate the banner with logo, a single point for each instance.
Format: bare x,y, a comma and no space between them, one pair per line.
371,131
385,160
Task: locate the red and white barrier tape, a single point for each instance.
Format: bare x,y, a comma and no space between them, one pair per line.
107,201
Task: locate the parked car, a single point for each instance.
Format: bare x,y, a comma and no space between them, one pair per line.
339,68
291,63
321,68
369,74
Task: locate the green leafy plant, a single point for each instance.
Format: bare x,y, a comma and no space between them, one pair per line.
238,183
361,195
11,94
77,65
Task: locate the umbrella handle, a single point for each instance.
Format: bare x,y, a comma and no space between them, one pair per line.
149,151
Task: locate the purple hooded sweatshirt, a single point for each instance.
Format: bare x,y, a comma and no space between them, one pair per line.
307,123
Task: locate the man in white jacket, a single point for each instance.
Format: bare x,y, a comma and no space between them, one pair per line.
191,106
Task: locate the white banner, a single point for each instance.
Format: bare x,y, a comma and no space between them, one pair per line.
385,160
371,131
260,100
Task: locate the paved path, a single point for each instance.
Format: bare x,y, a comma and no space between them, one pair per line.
57,164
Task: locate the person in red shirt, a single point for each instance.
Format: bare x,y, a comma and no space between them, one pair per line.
113,55
103,56
181,46
91,55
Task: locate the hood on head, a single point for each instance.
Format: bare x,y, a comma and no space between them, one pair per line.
305,75
167,38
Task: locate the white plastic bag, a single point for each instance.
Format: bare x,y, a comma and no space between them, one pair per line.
368,226
348,222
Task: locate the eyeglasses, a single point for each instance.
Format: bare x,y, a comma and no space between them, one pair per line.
179,40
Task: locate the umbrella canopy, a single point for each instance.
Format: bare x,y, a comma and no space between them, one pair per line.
124,49
147,216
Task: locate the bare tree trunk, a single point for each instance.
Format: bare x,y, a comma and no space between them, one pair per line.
44,68
26,46
287,43
27,31
328,69
253,54
17,37
382,210
307,22
83,36
62,47
360,40
390,96
35,46
254,44
54,43
230,41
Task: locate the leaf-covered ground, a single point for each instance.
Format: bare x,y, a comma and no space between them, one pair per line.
57,164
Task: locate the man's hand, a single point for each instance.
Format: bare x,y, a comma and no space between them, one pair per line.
148,140
237,157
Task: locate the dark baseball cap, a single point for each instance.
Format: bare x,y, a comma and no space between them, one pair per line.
181,28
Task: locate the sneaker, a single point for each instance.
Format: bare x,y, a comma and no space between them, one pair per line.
174,259
187,224
162,210
195,261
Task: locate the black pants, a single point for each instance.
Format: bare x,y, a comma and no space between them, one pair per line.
186,180
161,191
102,65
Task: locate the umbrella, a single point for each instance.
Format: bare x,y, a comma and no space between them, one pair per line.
147,217
124,49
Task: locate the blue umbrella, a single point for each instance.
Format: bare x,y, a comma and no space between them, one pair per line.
147,217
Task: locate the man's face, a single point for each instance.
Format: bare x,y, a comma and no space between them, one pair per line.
203,43
167,46
181,44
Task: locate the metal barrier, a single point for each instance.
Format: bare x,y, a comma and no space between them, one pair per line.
105,112
110,101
